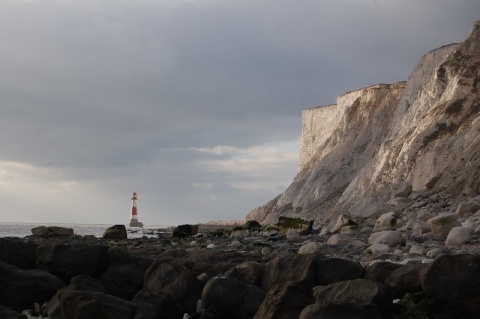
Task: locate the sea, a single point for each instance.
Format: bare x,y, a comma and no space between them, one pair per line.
24,229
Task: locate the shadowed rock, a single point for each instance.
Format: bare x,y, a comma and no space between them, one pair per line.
20,289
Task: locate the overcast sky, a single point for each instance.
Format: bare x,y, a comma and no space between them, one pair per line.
194,104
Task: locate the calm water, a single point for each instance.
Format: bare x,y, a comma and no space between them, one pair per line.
24,229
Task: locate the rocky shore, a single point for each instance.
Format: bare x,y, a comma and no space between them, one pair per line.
418,260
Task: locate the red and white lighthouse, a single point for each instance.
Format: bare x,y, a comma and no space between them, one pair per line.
134,217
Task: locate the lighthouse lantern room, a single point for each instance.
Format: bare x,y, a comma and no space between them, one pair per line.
134,216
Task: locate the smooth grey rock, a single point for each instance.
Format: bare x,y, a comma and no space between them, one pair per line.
387,237
310,248
387,221
459,236
339,239
469,207
443,223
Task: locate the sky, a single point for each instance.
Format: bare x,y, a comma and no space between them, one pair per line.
193,104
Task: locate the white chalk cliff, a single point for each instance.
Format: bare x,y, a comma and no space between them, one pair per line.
424,132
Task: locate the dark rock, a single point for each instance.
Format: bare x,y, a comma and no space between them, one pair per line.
95,305
174,280
346,310
230,298
249,272
18,252
67,260
252,225
402,189
115,232
79,283
20,289
52,231
304,227
452,282
9,313
405,279
379,271
357,291
285,301
124,276
294,268
330,270
153,306
186,230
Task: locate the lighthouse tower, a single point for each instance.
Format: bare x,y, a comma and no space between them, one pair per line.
134,218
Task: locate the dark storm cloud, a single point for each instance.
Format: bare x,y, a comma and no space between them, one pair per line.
179,99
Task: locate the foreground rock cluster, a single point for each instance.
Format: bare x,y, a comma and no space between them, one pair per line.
374,268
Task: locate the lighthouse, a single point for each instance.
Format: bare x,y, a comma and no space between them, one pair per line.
134,217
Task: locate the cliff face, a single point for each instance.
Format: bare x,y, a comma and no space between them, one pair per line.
425,131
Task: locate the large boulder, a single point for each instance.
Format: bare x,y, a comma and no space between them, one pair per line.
379,271
387,221
89,304
332,269
186,230
342,221
249,272
443,223
470,207
459,236
310,248
344,310
405,279
18,252
285,301
124,276
293,268
52,231
115,232
79,283
388,237
174,280
20,289
357,291
156,305
452,282
304,227
67,260
230,298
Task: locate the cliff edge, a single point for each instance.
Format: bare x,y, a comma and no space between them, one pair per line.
423,133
